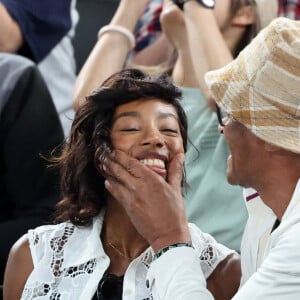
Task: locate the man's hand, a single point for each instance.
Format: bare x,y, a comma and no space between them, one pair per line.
155,206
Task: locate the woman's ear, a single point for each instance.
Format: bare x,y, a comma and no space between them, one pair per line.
245,16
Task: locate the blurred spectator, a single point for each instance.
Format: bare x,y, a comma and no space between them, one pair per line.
152,47
42,31
148,26
210,200
289,9
29,129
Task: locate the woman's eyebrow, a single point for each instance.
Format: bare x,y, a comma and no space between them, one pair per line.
163,115
127,114
136,114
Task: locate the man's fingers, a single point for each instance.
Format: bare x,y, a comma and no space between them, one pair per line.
124,169
118,191
175,171
131,165
113,171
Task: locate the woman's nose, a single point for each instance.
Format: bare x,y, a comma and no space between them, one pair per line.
152,137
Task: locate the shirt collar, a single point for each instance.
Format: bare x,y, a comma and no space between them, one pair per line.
86,241
295,201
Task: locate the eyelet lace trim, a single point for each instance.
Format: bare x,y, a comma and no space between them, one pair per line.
209,251
56,282
52,289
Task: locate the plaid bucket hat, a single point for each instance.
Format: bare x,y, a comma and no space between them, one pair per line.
261,87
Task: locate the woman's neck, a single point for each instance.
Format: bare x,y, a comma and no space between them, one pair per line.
233,37
120,239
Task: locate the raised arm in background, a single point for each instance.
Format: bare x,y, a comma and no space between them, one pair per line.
109,54
11,38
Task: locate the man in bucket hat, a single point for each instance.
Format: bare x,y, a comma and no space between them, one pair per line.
258,98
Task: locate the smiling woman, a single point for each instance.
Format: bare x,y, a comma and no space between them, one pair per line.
94,251
149,131
121,114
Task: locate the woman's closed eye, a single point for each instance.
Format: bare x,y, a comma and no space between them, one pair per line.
170,131
129,129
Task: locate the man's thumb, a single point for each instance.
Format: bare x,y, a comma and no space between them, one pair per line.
175,170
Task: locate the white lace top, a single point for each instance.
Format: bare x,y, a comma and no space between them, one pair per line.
69,262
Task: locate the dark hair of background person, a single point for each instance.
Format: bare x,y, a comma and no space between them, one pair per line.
29,130
82,185
251,30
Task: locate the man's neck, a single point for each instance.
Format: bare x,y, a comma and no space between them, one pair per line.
278,193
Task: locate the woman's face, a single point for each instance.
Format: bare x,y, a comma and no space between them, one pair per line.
148,130
223,14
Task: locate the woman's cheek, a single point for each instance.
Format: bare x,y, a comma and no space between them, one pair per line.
179,146
175,147
120,143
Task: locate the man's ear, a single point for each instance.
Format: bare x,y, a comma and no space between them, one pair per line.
245,16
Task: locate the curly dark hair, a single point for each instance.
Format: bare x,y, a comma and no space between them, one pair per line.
82,185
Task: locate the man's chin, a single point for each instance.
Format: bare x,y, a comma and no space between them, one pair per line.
232,180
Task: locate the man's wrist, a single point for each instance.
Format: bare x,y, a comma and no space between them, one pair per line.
169,247
176,236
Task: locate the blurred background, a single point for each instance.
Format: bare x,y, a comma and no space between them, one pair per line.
93,15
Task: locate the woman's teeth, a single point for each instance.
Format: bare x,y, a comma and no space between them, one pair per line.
154,162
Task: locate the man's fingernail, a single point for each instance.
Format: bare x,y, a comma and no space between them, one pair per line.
107,184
